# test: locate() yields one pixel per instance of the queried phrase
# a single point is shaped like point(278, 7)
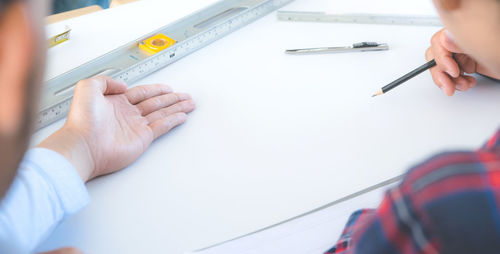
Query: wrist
point(74, 148)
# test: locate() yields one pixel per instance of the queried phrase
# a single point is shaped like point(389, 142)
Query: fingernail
point(449, 36)
point(449, 92)
point(450, 72)
point(460, 87)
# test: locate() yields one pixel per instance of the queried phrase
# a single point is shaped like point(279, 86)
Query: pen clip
point(370, 46)
point(365, 44)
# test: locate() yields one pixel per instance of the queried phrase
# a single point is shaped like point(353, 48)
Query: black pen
point(406, 77)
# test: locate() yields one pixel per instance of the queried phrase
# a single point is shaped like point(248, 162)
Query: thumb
point(108, 86)
point(448, 42)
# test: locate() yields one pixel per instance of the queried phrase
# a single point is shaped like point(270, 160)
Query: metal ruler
point(359, 18)
point(129, 63)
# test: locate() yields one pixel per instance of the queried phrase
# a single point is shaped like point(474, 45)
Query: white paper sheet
point(313, 233)
point(274, 135)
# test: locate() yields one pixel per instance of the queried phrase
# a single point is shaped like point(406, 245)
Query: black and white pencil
point(405, 78)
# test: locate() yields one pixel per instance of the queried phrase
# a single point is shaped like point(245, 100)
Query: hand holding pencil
point(453, 65)
point(448, 65)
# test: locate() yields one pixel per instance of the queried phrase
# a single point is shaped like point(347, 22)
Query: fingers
point(156, 103)
point(464, 83)
point(164, 125)
point(440, 78)
point(444, 82)
point(162, 108)
point(449, 85)
point(444, 58)
point(467, 64)
point(448, 42)
point(141, 93)
point(186, 106)
point(449, 72)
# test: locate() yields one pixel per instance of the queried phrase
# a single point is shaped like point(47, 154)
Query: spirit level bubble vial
point(156, 44)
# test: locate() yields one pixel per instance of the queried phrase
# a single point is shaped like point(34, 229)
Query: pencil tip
point(379, 92)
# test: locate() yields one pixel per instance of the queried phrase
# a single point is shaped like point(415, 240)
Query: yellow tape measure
point(156, 44)
point(58, 39)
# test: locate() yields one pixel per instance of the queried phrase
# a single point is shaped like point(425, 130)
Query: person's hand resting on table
point(109, 127)
point(453, 64)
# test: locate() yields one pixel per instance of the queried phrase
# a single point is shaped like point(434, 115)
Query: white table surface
point(274, 135)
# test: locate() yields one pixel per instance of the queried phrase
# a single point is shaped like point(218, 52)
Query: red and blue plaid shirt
point(448, 204)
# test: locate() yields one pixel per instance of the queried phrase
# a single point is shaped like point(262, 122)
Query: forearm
point(46, 190)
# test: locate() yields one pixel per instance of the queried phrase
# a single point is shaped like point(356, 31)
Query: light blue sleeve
point(46, 190)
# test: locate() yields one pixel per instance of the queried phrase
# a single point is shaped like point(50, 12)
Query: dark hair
point(4, 3)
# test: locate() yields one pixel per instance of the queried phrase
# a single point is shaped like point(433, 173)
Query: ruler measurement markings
point(141, 66)
point(359, 18)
